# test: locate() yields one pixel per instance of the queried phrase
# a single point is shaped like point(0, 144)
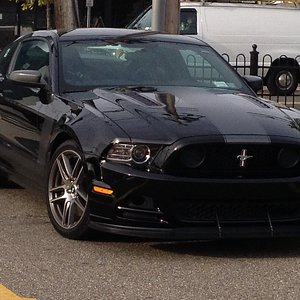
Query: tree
point(29, 4)
point(172, 16)
point(66, 12)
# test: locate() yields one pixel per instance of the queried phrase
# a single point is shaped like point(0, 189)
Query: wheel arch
point(92, 161)
point(58, 140)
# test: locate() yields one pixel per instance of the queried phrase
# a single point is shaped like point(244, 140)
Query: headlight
point(139, 154)
point(120, 152)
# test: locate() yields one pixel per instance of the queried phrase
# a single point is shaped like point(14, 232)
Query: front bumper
point(161, 206)
point(200, 232)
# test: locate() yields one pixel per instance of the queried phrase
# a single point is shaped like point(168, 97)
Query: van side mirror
point(255, 82)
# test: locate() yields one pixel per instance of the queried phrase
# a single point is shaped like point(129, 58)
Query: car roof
point(115, 34)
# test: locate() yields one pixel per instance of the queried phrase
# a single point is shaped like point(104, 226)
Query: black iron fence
point(280, 75)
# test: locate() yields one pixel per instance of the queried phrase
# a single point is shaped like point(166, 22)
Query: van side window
point(188, 21)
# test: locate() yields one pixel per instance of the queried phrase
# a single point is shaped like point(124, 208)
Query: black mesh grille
point(221, 161)
point(234, 212)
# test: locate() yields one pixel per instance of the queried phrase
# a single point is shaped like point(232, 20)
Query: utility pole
point(165, 17)
point(172, 16)
point(89, 5)
point(64, 14)
point(48, 15)
point(35, 12)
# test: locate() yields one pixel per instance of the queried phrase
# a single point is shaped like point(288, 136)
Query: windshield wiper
point(76, 91)
point(135, 88)
point(127, 37)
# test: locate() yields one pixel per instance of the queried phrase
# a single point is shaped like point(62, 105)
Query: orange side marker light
point(101, 190)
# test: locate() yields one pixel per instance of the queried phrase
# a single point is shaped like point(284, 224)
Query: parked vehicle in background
point(232, 29)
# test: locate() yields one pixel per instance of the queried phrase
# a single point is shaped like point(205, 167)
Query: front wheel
point(5, 183)
point(68, 186)
point(283, 81)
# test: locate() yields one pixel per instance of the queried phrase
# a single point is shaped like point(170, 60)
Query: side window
point(33, 55)
point(145, 21)
point(188, 21)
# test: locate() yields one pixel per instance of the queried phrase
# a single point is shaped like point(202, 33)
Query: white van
point(232, 29)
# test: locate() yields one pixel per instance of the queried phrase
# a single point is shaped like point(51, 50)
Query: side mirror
point(255, 82)
point(30, 78)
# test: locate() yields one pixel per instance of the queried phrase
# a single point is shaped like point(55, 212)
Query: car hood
point(180, 112)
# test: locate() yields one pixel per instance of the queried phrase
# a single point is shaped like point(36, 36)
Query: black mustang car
point(148, 135)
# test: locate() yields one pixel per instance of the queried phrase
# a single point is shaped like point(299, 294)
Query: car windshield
point(97, 64)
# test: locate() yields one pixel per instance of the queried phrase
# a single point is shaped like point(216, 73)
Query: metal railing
point(270, 69)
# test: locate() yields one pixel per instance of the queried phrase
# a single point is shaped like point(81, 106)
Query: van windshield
point(188, 21)
point(92, 64)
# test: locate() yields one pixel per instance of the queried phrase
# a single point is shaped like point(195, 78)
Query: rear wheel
point(68, 186)
point(283, 81)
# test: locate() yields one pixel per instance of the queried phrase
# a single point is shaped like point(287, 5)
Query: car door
point(5, 58)
point(19, 118)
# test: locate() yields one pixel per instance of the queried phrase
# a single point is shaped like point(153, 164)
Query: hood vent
point(141, 99)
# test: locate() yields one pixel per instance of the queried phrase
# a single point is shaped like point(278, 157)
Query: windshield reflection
point(87, 65)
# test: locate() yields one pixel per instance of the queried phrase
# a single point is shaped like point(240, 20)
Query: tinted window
point(94, 64)
point(144, 22)
point(208, 70)
point(33, 55)
point(188, 21)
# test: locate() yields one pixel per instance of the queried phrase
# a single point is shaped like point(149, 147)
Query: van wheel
point(282, 81)
point(68, 186)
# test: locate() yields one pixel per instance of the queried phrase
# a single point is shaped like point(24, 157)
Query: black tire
point(67, 191)
point(283, 81)
point(3, 181)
